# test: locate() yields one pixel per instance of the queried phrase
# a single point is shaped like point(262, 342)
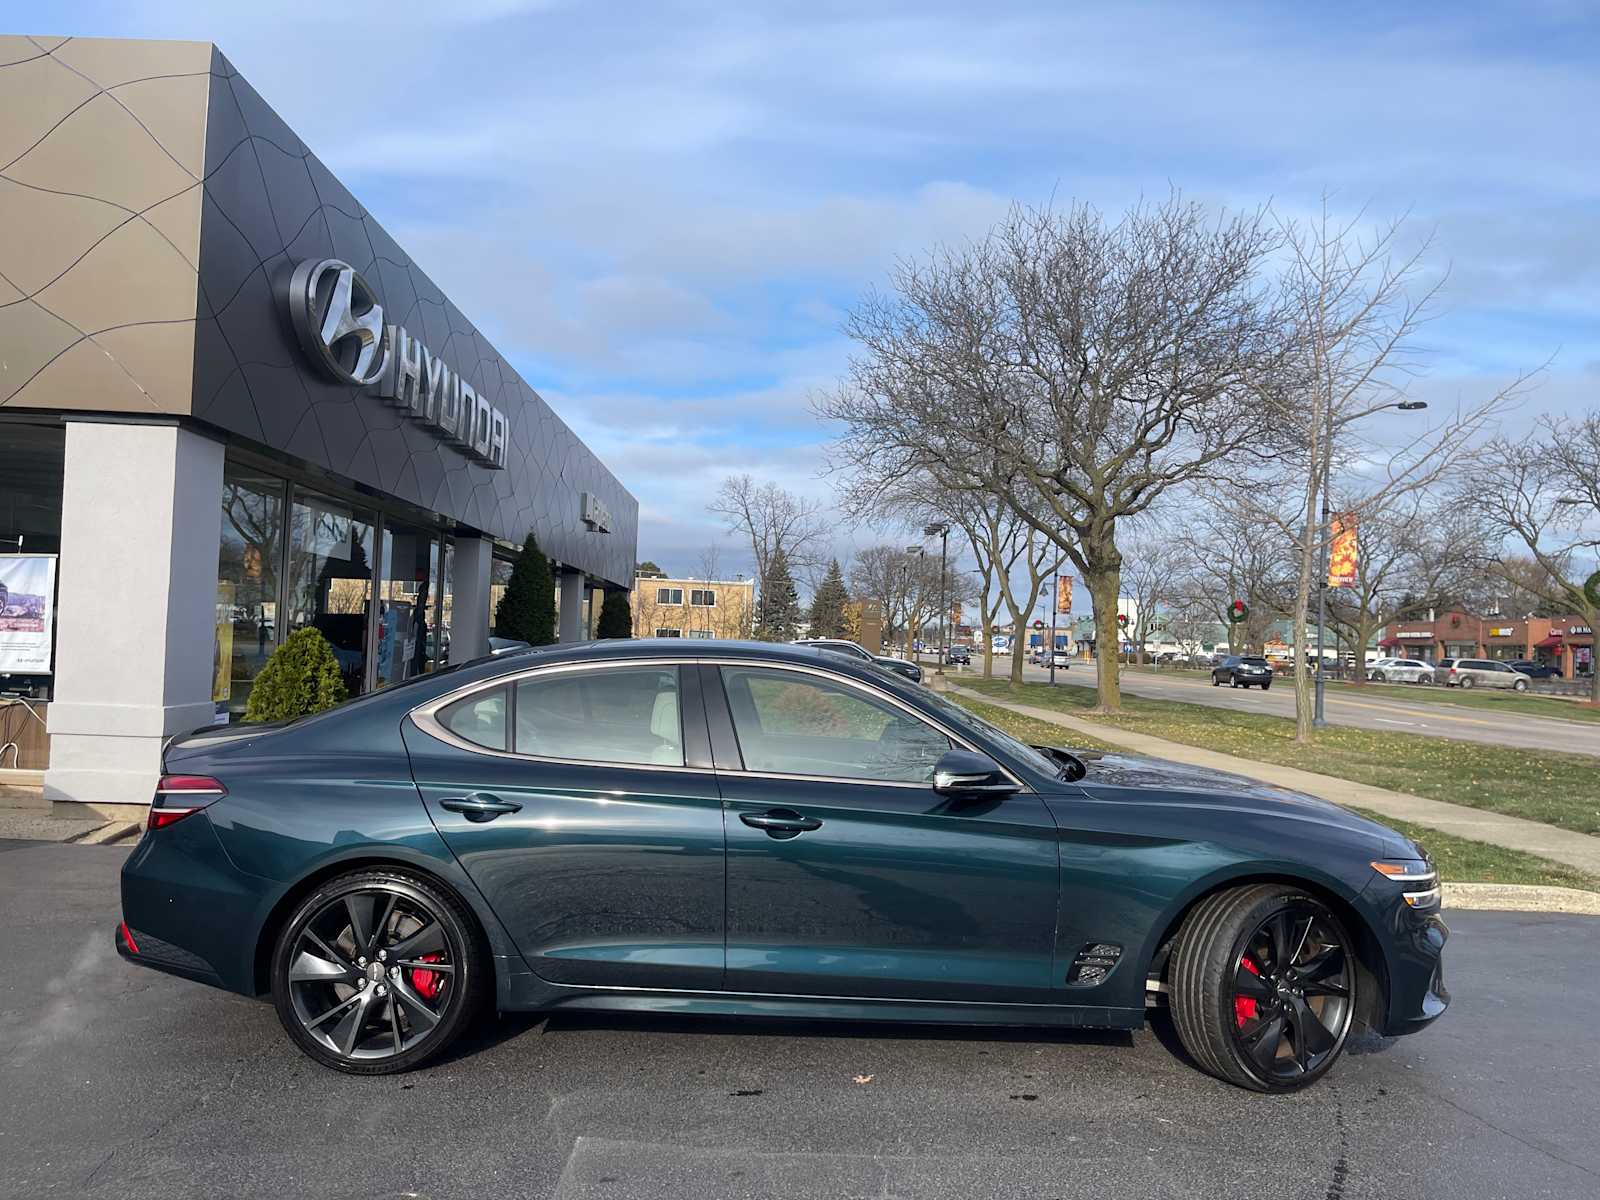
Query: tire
point(1208, 965)
point(1520, 685)
point(433, 1001)
point(1379, 677)
point(1465, 682)
point(1266, 686)
point(1215, 682)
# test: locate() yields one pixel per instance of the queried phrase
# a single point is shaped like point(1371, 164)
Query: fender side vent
point(1093, 963)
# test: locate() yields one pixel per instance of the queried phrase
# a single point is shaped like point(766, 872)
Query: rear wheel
point(1263, 987)
point(1466, 681)
point(377, 971)
point(1215, 682)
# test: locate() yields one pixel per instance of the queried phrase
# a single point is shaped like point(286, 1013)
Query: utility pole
point(942, 528)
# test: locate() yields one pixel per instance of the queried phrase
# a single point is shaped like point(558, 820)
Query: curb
point(107, 834)
point(1520, 897)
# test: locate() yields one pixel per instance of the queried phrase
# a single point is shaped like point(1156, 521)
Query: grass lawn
point(1527, 704)
point(1460, 860)
point(1558, 789)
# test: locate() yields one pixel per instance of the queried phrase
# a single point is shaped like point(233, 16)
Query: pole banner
point(1344, 551)
point(1064, 594)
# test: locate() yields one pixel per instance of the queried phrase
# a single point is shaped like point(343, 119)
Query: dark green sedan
point(733, 828)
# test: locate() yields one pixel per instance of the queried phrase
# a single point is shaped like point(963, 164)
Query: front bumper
point(1417, 994)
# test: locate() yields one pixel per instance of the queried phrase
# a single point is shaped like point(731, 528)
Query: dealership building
point(232, 407)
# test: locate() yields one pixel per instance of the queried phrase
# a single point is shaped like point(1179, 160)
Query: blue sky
point(661, 211)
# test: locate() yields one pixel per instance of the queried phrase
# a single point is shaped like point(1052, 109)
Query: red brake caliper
point(428, 984)
point(1244, 1007)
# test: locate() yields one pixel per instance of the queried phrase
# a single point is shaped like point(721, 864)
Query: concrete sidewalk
point(1574, 849)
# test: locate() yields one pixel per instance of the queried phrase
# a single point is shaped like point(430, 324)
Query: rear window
point(1447, 662)
point(479, 719)
point(1254, 662)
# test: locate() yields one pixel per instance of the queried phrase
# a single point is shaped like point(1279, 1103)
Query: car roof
point(612, 649)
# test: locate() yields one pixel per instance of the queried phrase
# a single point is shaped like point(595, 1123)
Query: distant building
point(692, 608)
point(1565, 643)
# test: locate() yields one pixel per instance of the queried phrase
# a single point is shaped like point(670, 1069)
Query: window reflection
point(247, 584)
point(330, 579)
point(405, 603)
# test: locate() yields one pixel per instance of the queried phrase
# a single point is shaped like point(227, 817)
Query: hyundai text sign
point(595, 514)
point(340, 325)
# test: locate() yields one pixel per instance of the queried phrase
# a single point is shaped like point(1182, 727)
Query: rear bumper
point(150, 951)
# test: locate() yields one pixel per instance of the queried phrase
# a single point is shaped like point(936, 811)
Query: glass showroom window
point(499, 581)
point(330, 579)
point(248, 562)
point(439, 643)
point(405, 603)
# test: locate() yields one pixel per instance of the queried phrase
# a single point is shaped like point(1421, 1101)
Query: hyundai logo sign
point(339, 323)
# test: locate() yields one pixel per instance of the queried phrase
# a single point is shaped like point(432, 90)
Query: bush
point(301, 677)
point(527, 611)
point(616, 618)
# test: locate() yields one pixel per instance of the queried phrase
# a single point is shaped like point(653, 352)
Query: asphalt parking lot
point(122, 1082)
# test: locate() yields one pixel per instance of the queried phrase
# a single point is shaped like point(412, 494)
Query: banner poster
point(27, 612)
point(1064, 594)
point(1344, 552)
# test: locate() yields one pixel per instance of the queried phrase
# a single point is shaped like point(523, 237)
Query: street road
point(1389, 712)
point(121, 1082)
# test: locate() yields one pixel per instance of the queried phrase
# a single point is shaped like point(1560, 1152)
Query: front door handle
point(480, 806)
point(781, 822)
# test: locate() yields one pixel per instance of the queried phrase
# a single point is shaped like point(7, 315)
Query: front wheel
point(1266, 686)
point(378, 971)
point(1520, 685)
point(1379, 677)
point(1263, 987)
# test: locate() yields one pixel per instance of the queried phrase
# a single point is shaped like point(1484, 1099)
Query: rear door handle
point(480, 806)
point(781, 822)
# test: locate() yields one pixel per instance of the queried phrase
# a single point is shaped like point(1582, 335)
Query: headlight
point(1419, 873)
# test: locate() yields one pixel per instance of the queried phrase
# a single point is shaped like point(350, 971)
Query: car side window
point(479, 719)
point(604, 714)
point(790, 723)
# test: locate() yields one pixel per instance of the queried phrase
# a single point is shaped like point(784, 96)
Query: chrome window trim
point(425, 718)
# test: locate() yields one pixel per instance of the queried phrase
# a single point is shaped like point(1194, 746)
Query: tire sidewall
point(464, 948)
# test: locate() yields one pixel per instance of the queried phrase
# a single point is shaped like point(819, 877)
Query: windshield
point(965, 719)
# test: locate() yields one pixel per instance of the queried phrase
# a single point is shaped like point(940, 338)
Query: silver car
point(1400, 670)
point(1478, 672)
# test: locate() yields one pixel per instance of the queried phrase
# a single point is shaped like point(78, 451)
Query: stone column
point(571, 584)
point(141, 520)
point(469, 600)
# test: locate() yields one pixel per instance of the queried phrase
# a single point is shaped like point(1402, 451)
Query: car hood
point(1111, 770)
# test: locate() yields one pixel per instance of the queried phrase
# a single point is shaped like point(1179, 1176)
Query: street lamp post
point(1318, 719)
point(942, 528)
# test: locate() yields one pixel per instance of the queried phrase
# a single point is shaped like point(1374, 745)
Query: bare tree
point(1075, 368)
point(775, 521)
point(1359, 300)
point(1234, 552)
point(1543, 493)
point(1152, 566)
point(1415, 550)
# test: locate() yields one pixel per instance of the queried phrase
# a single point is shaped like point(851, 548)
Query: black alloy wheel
point(377, 971)
point(1264, 987)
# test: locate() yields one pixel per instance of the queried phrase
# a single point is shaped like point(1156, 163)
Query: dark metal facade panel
point(269, 204)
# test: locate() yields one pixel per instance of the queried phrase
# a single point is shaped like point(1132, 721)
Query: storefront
point(231, 407)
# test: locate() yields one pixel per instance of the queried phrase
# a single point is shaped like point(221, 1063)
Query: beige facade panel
point(103, 148)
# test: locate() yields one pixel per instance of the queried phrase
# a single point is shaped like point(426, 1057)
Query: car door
point(581, 801)
point(847, 874)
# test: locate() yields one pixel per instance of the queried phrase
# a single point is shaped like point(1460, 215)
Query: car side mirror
point(966, 774)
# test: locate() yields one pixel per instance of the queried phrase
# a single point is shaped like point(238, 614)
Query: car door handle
point(780, 822)
point(480, 806)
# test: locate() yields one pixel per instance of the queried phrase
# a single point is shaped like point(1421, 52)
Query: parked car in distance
point(1534, 670)
point(959, 655)
point(737, 828)
point(1242, 670)
point(1400, 670)
point(1060, 660)
point(1478, 672)
point(856, 650)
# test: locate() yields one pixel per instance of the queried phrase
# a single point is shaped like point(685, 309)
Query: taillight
point(179, 795)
